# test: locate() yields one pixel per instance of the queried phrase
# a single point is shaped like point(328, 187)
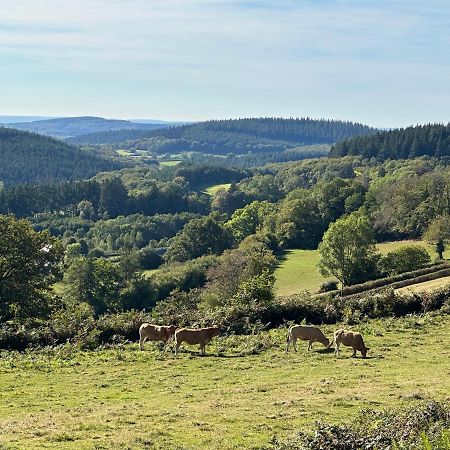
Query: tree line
point(411, 142)
point(238, 136)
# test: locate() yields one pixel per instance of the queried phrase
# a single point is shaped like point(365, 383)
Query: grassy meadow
point(298, 270)
point(426, 286)
point(231, 399)
point(170, 163)
point(212, 190)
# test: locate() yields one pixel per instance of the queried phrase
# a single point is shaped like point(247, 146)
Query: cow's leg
point(354, 353)
point(288, 341)
point(336, 349)
point(294, 342)
point(310, 344)
point(177, 346)
point(202, 349)
point(141, 342)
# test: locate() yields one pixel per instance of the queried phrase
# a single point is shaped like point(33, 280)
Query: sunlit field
point(230, 399)
point(298, 270)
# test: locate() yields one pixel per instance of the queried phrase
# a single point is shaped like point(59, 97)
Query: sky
point(384, 62)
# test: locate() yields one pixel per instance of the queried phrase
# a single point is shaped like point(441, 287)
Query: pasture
point(245, 391)
point(298, 269)
point(426, 286)
point(212, 190)
point(170, 163)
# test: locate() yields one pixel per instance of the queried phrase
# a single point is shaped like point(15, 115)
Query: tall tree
point(29, 262)
point(204, 236)
point(438, 234)
point(347, 250)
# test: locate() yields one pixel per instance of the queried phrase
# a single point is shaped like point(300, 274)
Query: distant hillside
point(423, 140)
point(75, 126)
point(31, 158)
point(236, 136)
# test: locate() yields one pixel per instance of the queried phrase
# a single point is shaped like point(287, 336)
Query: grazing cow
point(350, 339)
point(193, 336)
point(305, 333)
point(150, 332)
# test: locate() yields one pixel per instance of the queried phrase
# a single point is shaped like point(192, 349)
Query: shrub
point(150, 258)
point(189, 275)
point(416, 428)
point(405, 259)
point(327, 286)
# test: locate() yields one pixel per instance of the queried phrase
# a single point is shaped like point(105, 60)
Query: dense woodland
point(32, 158)
point(233, 136)
point(412, 142)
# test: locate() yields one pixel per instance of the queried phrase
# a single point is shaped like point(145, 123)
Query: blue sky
point(386, 63)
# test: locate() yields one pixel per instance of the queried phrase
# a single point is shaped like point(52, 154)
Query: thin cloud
point(296, 49)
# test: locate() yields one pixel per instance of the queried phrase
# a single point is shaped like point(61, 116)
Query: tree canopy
point(29, 262)
point(347, 250)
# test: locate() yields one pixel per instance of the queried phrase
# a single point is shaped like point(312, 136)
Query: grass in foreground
point(124, 398)
point(298, 271)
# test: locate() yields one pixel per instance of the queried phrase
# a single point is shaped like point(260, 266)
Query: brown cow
point(150, 332)
point(350, 339)
point(306, 333)
point(193, 336)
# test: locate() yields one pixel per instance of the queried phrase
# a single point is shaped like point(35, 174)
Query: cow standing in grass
point(191, 336)
point(150, 332)
point(350, 339)
point(305, 333)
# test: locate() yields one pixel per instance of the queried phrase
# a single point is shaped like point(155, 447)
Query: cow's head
point(214, 331)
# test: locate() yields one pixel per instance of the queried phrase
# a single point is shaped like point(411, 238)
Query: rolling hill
point(30, 158)
point(74, 126)
point(232, 136)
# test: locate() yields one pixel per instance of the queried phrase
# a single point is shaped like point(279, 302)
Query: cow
point(350, 339)
point(150, 332)
point(305, 333)
point(193, 336)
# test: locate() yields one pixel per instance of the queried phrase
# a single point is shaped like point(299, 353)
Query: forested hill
point(73, 126)
point(31, 158)
point(238, 136)
point(423, 140)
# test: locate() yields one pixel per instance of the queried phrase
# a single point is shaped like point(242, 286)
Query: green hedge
point(438, 268)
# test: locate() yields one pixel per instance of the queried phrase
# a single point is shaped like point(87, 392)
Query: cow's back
point(194, 336)
point(302, 332)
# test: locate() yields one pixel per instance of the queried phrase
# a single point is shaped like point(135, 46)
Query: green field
point(212, 190)
point(123, 398)
point(426, 286)
point(124, 153)
point(170, 163)
point(298, 270)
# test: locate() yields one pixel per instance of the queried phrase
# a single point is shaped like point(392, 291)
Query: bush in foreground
point(424, 427)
